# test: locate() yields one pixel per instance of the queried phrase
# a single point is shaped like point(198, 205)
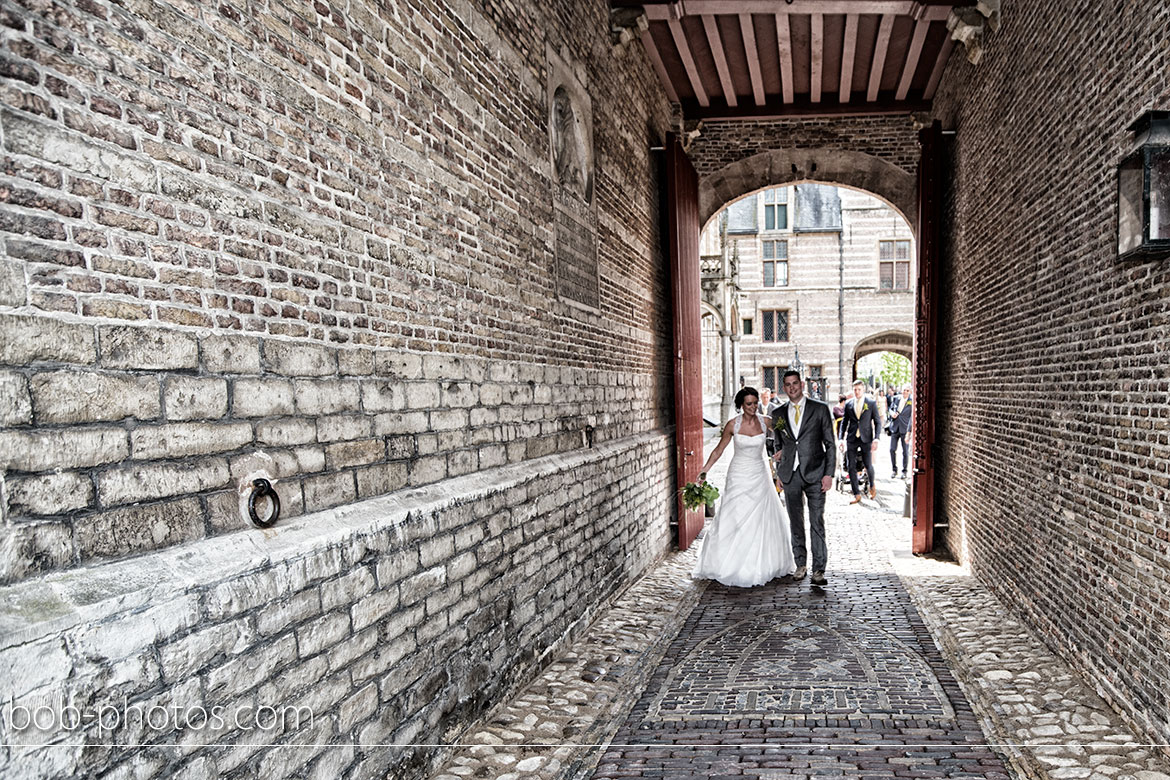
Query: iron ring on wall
point(262, 488)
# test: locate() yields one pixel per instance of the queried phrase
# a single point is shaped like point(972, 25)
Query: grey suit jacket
point(816, 445)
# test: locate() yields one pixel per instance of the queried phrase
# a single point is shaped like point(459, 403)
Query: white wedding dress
point(749, 542)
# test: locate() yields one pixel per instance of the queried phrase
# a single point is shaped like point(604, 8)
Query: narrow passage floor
point(789, 680)
point(900, 667)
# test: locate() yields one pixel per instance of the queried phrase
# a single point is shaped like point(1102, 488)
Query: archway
point(811, 290)
point(896, 341)
point(776, 167)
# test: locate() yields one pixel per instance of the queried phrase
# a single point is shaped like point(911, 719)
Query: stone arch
point(897, 341)
point(855, 170)
point(707, 310)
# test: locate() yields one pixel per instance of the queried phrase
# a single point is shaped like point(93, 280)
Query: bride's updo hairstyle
point(744, 393)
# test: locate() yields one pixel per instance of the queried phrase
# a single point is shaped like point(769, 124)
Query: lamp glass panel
point(1160, 193)
point(1129, 203)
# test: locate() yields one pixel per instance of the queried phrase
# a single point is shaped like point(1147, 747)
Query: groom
point(807, 456)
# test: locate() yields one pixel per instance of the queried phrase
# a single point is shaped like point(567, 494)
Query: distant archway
point(775, 168)
point(896, 341)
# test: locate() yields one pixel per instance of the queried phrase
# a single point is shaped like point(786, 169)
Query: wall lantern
point(1143, 191)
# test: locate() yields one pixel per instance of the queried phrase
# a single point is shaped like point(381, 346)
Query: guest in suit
point(806, 459)
point(901, 418)
point(861, 428)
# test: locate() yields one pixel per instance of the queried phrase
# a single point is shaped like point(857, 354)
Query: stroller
point(843, 477)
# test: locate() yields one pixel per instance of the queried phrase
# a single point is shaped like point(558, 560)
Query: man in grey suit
point(807, 456)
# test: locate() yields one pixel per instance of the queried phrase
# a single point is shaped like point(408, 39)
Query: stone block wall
point(122, 439)
point(316, 243)
point(391, 622)
point(1054, 456)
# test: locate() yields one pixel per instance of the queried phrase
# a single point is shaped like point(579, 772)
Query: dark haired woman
point(749, 542)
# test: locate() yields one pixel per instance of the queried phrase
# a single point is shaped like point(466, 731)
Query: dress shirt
point(792, 407)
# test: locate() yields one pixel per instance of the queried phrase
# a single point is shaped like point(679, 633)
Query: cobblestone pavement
point(901, 667)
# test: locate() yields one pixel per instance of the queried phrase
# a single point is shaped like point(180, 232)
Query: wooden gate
point(682, 225)
point(931, 170)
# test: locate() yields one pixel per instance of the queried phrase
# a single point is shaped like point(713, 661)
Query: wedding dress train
point(749, 542)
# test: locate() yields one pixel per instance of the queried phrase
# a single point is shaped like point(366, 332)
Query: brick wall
point(316, 243)
point(325, 238)
point(877, 154)
point(1054, 465)
point(888, 137)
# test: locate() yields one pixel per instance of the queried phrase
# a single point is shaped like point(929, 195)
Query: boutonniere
point(781, 425)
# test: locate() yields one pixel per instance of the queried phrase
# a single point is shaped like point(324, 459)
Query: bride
point(749, 542)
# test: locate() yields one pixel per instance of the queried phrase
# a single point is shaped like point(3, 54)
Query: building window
point(775, 325)
point(747, 326)
point(775, 263)
point(893, 265)
point(776, 209)
point(773, 376)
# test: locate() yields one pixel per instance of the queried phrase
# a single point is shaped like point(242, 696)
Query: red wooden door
point(682, 225)
point(930, 206)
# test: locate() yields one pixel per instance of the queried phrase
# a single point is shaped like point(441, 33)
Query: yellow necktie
point(798, 415)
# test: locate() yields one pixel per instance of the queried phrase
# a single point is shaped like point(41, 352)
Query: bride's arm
point(719, 448)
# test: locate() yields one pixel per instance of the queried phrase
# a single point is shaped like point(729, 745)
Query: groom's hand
point(826, 484)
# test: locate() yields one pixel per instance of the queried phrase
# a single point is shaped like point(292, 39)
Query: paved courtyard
point(900, 667)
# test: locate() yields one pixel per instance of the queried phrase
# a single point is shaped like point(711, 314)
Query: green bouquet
point(699, 494)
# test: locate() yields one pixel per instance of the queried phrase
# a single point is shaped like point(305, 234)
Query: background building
point(814, 272)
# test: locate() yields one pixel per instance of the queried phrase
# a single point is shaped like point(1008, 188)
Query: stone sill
point(58, 601)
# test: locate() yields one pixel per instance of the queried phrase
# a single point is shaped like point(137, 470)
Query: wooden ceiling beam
point(662, 10)
point(784, 43)
point(879, 57)
point(817, 57)
point(688, 61)
point(655, 58)
point(848, 52)
point(940, 65)
point(920, 29)
point(716, 41)
point(752, 51)
point(803, 108)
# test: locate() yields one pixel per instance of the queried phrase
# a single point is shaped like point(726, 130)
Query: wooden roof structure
point(742, 59)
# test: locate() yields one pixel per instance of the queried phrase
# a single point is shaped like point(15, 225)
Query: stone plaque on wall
point(570, 124)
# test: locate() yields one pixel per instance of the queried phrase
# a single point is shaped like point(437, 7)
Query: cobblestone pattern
point(396, 621)
point(553, 729)
point(922, 727)
point(128, 439)
point(1032, 708)
point(1060, 505)
point(1035, 710)
point(1048, 721)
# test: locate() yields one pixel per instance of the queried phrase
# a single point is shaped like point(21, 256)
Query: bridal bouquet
point(696, 495)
